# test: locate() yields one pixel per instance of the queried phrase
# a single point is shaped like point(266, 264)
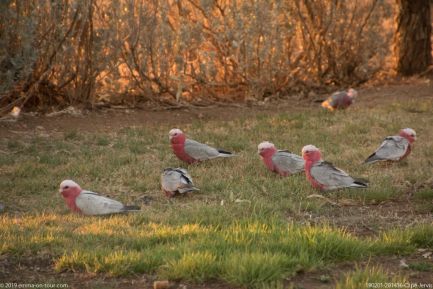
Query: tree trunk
point(412, 40)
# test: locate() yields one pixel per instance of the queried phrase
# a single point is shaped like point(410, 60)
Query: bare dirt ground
point(40, 270)
point(368, 220)
point(326, 279)
point(113, 119)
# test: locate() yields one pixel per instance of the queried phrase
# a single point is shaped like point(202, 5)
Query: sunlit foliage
point(64, 52)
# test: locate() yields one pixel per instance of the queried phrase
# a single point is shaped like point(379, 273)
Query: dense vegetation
point(87, 51)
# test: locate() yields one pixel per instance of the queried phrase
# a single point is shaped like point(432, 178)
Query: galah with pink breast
point(394, 148)
point(325, 176)
point(90, 203)
point(281, 162)
point(340, 100)
point(191, 151)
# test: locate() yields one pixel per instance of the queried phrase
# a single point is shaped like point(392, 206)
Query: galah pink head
point(352, 93)
point(311, 154)
point(69, 189)
point(176, 136)
point(266, 149)
point(408, 134)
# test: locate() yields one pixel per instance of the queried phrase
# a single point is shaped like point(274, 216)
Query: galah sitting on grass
point(281, 162)
point(176, 181)
point(394, 148)
point(340, 100)
point(323, 175)
point(90, 203)
point(190, 151)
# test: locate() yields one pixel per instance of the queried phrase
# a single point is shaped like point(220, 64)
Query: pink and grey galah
point(176, 181)
point(340, 100)
point(325, 176)
point(281, 162)
point(191, 151)
point(90, 203)
point(394, 148)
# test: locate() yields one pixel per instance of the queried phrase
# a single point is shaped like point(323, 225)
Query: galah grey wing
point(185, 178)
point(331, 177)
point(335, 99)
point(178, 179)
point(200, 151)
point(392, 148)
point(91, 203)
point(171, 180)
point(288, 162)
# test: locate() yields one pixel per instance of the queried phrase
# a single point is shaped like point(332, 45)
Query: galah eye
point(66, 187)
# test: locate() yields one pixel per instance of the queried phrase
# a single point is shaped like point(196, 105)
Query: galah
point(176, 181)
point(15, 112)
point(394, 148)
point(190, 151)
point(12, 116)
point(340, 100)
point(281, 162)
point(90, 203)
point(324, 175)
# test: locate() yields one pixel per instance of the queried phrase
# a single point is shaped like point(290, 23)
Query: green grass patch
point(246, 253)
point(254, 269)
point(246, 226)
point(421, 266)
point(422, 236)
point(370, 277)
point(193, 266)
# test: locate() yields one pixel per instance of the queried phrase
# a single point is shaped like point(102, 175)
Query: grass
point(371, 277)
point(246, 226)
point(421, 266)
point(243, 253)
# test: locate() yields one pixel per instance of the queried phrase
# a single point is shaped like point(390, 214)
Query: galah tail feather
point(340, 100)
point(90, 203)
point(325, 176)
point(176, 181)
point(281, 162)
point(394, 148)
point(191, 151)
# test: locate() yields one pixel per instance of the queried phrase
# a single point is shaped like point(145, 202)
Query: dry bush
point(85, 51)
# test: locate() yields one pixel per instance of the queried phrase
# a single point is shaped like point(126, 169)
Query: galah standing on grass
point(90, 203)
point(176, 181)
point(340, 100)
point(323, 175)
point(281, 162)
point(394, 148)
point(190, 151)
